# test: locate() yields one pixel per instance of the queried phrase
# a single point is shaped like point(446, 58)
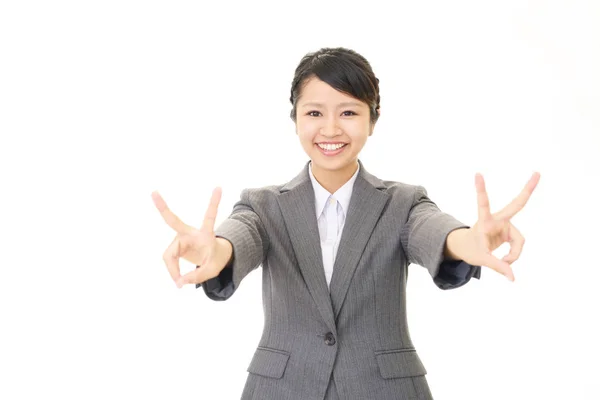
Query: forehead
point(317, 92)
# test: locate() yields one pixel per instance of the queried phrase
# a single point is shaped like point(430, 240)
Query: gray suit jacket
point(354, 336)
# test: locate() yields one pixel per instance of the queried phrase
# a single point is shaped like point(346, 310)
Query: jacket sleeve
point(244, 229)
point(423, 238)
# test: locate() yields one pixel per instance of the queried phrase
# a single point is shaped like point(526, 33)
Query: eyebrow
point(345, 104)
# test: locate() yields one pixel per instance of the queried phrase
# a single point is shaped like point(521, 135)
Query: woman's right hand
point(198, 246)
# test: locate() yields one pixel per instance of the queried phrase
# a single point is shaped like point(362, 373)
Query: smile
point(331, 149)
point(331, 146)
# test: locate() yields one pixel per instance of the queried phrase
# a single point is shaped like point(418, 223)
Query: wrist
point(224, 250)
point(454, 246)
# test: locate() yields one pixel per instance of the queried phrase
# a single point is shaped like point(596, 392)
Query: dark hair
point(343, 69)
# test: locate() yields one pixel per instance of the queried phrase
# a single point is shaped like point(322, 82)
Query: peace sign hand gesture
point(475, 245)
point(198, 246)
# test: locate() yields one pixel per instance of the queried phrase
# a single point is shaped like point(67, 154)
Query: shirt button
point(329, 339)
point(332, 201)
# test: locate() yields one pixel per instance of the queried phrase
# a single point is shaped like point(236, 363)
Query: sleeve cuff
point(453, 274)
point(219, 287)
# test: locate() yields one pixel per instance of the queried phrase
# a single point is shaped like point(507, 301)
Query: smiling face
point(332, 127)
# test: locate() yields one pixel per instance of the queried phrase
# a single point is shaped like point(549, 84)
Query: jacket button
point(329, 339)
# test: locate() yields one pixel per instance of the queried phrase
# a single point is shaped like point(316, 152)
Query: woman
point(335, 243)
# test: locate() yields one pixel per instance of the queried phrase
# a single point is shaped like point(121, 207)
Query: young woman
point(335, 243)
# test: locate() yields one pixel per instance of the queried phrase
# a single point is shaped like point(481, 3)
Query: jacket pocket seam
point(399, 363)
point(283, 352)
point(404, 350)
point(268, 362)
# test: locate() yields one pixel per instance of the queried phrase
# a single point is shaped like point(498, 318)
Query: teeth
point(330, 146)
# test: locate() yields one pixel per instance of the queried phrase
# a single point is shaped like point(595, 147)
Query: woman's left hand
point(492, 230)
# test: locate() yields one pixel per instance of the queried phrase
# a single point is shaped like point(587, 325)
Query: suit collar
point(342, 195)
point(302, 178)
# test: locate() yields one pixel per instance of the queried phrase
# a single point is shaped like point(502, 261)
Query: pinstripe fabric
point(331, 393)
point(388, 226)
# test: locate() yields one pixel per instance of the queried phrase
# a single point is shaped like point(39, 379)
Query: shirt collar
point(342, 195)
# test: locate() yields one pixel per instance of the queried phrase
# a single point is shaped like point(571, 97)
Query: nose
point(330, 128)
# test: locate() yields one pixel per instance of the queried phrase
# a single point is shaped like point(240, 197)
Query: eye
point(348, 113)
point(311, 113)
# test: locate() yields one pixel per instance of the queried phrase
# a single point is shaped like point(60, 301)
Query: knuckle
point(169, 254)
point(184, 243)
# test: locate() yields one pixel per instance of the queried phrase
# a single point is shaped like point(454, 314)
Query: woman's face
point(332, 126)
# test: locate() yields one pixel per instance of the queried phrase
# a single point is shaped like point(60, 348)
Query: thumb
point(192, 277)
point(186, 279)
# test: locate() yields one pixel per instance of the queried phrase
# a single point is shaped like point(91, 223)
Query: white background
point(103, 102)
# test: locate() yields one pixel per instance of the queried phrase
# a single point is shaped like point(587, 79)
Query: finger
point(211, 213)
point(171, 258)
point(483, 202)
point(517, 241)
point(171, 219)
point(519, 202)
point(198, 275)
point(502, 267)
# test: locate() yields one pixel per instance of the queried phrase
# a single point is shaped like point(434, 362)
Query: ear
point(373, 124)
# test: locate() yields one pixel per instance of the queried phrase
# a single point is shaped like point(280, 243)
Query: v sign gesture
point(475, 245)
point(199, 246)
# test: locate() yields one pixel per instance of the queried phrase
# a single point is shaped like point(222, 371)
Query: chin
point(331, 165)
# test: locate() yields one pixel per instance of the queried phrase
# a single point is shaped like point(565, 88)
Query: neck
point(332, 180)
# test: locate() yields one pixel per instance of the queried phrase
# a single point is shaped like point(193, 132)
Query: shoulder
point(395, 189)
point(402, 191)
point(261, 194)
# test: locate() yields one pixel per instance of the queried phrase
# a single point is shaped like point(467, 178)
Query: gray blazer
point(350, 342)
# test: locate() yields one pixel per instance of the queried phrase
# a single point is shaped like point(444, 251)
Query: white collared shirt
point(331, 210)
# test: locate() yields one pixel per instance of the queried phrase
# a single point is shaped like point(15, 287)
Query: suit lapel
point(365, 208)
point(297, 204)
